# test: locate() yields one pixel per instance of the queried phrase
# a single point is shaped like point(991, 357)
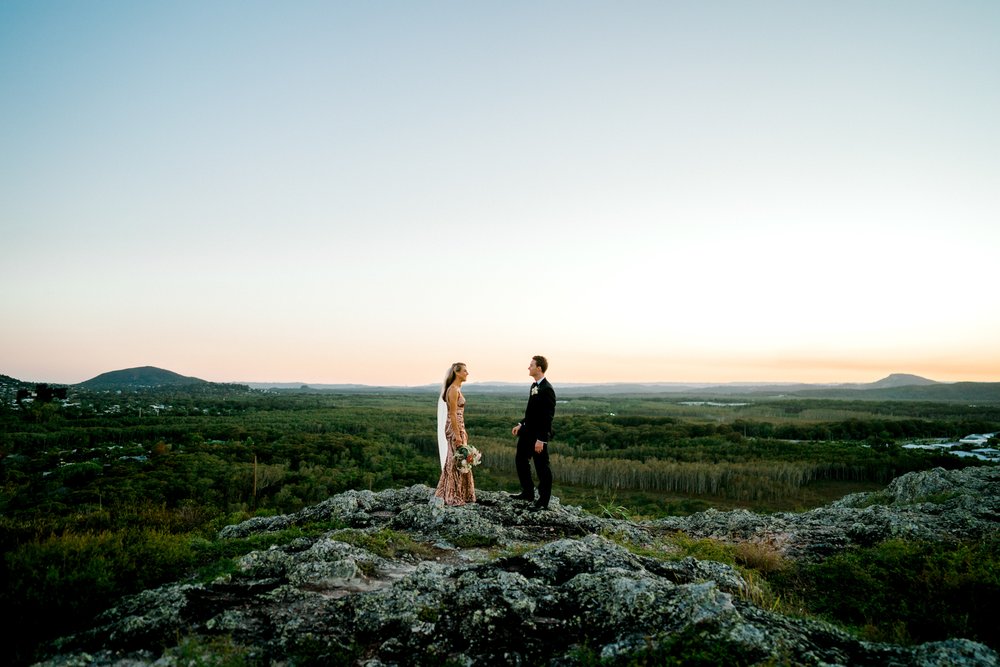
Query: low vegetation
point(905, 592)
point(898, 591)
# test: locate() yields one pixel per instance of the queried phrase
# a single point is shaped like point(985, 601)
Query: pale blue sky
point(368, 191)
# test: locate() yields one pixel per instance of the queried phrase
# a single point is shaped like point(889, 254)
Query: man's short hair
point(541, 362)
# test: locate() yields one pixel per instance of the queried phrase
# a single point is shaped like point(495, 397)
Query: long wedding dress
point(456, 488)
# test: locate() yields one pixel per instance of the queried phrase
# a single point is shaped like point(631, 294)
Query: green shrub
point(906, 592)
point(472, 540)
point(62, 581)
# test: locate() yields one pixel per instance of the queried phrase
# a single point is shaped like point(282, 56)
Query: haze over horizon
point(364, 193)
point(141, 374)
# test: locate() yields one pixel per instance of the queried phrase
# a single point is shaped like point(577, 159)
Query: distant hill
point(966, 392)
point(11, 385)
point(136, 378)
point(900, 380)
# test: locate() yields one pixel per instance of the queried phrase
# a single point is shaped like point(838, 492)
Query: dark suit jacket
point(538, 415)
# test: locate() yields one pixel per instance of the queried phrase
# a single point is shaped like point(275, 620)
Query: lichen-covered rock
point(929, 505)
point(566, 595)
point(494, 520)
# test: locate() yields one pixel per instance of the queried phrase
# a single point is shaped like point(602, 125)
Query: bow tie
point(534, 384)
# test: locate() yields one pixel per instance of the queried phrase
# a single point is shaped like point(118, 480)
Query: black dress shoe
point(538, 508)
point(520, 496)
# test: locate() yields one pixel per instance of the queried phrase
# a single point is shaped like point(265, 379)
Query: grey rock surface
point(931, 505)
point(551, 589)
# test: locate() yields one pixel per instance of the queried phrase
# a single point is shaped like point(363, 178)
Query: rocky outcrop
point(930, 505)
point(500, 585)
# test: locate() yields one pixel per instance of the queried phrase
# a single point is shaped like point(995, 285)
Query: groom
point(533, 433)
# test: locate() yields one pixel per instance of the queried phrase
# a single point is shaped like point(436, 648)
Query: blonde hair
point(449, 379)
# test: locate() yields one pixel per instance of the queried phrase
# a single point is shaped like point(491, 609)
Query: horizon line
point(742, 383)
point(515, 383)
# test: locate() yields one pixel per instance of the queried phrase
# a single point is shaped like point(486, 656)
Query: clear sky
point(362, 191)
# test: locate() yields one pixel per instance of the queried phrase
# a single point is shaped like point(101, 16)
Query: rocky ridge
point(556, 588)
point(931, 505)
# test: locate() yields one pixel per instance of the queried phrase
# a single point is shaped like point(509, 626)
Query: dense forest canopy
point(231, 449)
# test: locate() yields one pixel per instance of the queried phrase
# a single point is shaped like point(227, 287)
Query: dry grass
point(759, 556)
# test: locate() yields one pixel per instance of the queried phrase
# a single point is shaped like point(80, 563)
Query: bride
point(455, 487)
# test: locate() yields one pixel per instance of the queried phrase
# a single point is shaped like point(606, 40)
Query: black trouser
point(522, 461)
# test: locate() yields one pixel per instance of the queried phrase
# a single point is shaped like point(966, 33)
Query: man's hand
point(514, 431)
point(539, 446)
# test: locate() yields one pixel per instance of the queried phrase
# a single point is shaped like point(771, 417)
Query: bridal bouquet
point(467, 456)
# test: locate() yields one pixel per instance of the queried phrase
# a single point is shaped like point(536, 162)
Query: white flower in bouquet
point(466, 457)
